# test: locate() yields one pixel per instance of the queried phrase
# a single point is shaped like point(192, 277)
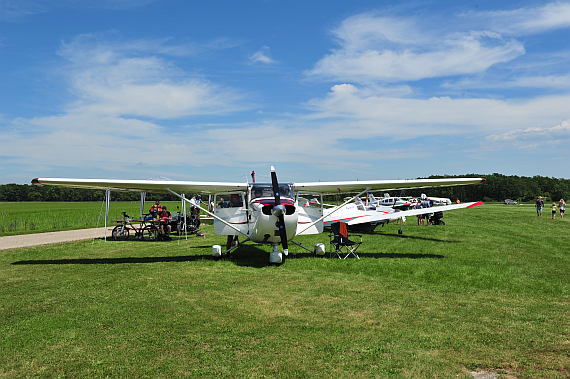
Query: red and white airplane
point(366, 217)
point(266, 213)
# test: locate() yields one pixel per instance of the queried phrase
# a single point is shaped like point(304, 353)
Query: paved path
point(26, 240)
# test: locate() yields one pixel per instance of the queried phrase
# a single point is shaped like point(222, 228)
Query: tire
point(120, 233)
point(150, 233)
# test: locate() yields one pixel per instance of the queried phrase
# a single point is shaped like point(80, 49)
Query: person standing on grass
point(553, 208)
point(539, 205)
point(562, 207)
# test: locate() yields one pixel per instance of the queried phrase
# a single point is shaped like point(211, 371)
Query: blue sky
point(322, 90)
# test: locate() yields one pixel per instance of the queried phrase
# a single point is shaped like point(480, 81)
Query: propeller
point(279, 212)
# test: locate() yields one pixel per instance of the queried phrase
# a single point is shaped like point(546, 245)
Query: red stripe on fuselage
point(265, 202)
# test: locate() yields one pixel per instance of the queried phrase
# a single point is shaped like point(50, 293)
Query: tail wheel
point(120, 233)
point(150, 233)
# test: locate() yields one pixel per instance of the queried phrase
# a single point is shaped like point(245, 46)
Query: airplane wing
point(412, 212)
point(145, 185)
point(213, 187)
point(358, 186)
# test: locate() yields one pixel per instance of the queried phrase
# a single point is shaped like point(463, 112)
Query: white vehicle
point(265, 213)
point(390, 201)
point(367, 218)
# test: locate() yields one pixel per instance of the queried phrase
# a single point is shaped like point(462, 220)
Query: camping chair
point(340, 244)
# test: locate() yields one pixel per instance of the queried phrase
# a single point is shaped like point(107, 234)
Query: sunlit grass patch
point(487, 291)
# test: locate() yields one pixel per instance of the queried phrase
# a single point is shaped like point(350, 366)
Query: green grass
point(490, 290)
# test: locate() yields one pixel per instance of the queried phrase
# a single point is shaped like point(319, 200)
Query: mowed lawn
point(489, 291)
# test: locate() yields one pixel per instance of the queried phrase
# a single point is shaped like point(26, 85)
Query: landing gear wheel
point(400, 231)
point(120, 233)
point(150, 233)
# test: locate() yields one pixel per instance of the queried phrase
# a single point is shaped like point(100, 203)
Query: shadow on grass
point(246, 256)
point(376, 256)
point(110, 261)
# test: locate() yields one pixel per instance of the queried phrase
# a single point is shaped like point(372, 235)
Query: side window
point(228, 200)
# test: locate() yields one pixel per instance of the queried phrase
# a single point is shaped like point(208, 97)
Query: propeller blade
point(279, 211)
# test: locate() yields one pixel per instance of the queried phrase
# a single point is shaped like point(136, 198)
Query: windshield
point(266, 190)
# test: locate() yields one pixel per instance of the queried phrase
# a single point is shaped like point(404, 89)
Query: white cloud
point(261, 56)
point(118, 87)
point(365, 114)
point(561, 82)
point(389, 49)
point(531, 138)
point(526, 20)
point(132, 79)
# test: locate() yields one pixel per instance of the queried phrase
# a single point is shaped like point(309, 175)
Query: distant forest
point(497, 188)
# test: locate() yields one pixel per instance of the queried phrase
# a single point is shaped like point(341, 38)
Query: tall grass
point(490, 291)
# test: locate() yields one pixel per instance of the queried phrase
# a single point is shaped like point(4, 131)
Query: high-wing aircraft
point(394, 202)
point(268, 213)
point(366, 217)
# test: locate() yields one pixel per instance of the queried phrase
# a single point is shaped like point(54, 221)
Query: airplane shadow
point(110, 261)
point(246, 256)
point(404, 236)
point(378, 255)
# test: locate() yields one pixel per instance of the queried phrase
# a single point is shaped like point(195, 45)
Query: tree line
point(498, 187)
point(29, 192)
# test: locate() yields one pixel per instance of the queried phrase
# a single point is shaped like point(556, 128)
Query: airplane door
point(232, 211)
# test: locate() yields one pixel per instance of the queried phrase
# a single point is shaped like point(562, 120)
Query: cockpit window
point(266, 190)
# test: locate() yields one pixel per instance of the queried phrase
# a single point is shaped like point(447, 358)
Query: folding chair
point(340, 244)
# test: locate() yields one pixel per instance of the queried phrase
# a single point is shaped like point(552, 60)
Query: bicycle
point(121, 231)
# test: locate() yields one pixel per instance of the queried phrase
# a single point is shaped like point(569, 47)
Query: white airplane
point(387, 200)
point(367, 217)
point(434, 200)
point(267, 213)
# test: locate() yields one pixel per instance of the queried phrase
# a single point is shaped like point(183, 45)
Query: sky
point(322, 90)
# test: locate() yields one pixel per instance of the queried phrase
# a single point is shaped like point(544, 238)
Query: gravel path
point(26, 240)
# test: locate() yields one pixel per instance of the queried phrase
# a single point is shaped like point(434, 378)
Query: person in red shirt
point(165, 227)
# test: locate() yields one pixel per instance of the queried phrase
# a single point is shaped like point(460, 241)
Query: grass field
point(32, 217)
point(489, 291)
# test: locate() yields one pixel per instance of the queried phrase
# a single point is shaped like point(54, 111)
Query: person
point(222, 203)
point(235, 201)
point(195, 203)
point(562, 207)
point(156, 209)
point(424, 204)
point(165, 227)
point(418, 205)
point(539, 205)
point(231, 240)
point(553, 208)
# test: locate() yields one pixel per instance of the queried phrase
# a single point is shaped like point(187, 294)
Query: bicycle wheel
point(120, 233)
point(150, 233)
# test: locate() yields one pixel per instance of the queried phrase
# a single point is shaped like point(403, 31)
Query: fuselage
point(254, 213)
point(263, 227)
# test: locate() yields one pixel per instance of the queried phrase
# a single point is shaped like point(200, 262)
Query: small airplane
point(267, 213)
point(387, 200)
point(366, 218)
point(432, 199)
